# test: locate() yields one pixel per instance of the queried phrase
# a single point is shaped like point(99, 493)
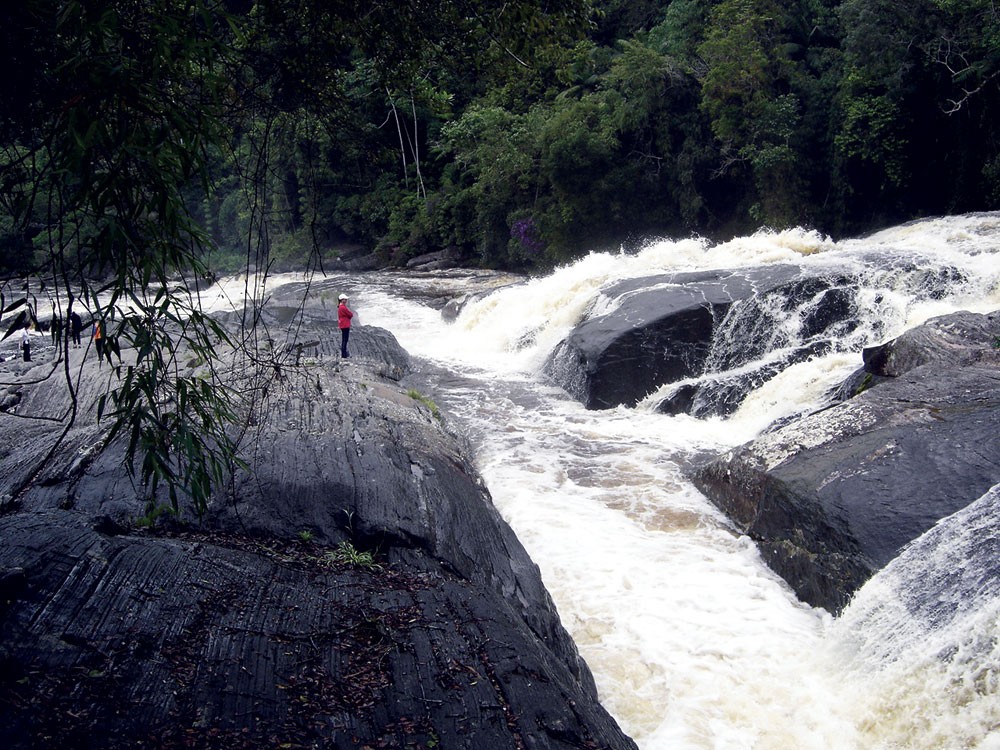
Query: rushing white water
point(928, 626)
point(693, 641)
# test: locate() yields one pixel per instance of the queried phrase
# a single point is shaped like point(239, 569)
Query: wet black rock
point(435, 261)
point(354, 587)
point(350, 258)
point(671, 328)
point(833, 497)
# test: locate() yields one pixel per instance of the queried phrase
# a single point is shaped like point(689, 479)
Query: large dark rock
point(351, 258)
point(665, 329)
point(438, 260)
point(833, 497)
point(264, 625)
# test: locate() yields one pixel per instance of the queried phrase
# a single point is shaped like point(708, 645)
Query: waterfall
point(693, 641)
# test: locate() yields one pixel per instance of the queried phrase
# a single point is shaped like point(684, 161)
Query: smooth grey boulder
point(833, 497)
point(351, 258)
point(265, 624)
point(435, 261)
point(668, 328)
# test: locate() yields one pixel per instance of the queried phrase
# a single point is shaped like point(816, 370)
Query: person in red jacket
point(344, 316)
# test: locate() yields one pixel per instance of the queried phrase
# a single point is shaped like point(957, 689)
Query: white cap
point(343, 296)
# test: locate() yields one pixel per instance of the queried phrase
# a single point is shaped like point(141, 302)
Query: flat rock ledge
point(354, 588)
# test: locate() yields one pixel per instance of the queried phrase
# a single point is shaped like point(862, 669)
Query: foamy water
point(693, 641)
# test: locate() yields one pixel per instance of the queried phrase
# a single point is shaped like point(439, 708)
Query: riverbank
point(353, 587)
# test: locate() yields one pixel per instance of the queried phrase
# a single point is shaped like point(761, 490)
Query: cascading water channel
point(693, 641)
point(927, 628)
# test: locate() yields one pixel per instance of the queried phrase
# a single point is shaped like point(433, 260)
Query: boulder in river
point(832, 497)
point(668, 328)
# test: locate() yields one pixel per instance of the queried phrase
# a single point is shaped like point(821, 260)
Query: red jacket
point(344, 316)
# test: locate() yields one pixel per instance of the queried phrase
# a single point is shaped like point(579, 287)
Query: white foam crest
point(961, 248)
point(233, 292)
point(795, 390)
point(515, 328)
point(921, 312)
point(518, 326)
point(767, 247)
point(761, 248)
point(523, 323)
point(969, 234)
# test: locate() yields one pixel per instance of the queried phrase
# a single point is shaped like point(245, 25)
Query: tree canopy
point(409, 127)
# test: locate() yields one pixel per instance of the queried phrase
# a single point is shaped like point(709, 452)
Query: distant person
point(26, 343)
point(76, 328)
point(98, 332)
point(344, 316)
point(55, 328)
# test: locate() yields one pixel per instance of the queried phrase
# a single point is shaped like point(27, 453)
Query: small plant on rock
point(347, 554)
point(418, 396)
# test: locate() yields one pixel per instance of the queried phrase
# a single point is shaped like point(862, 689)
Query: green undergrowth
point(426, 401)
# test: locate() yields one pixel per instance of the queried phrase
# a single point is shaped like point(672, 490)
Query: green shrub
point(417, 396)
point(347, 554)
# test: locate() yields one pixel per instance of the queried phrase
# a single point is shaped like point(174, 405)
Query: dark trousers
point(345, 334)
point(26, 351)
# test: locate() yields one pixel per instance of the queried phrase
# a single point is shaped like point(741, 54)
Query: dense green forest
point(517, 136)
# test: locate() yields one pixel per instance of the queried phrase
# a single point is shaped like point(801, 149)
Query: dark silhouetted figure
point(76, 328)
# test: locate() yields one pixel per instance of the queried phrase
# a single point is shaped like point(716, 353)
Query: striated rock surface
point(354, 588)
point(833, 497)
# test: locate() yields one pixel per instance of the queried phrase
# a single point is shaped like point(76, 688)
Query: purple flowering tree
point(525, 233)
